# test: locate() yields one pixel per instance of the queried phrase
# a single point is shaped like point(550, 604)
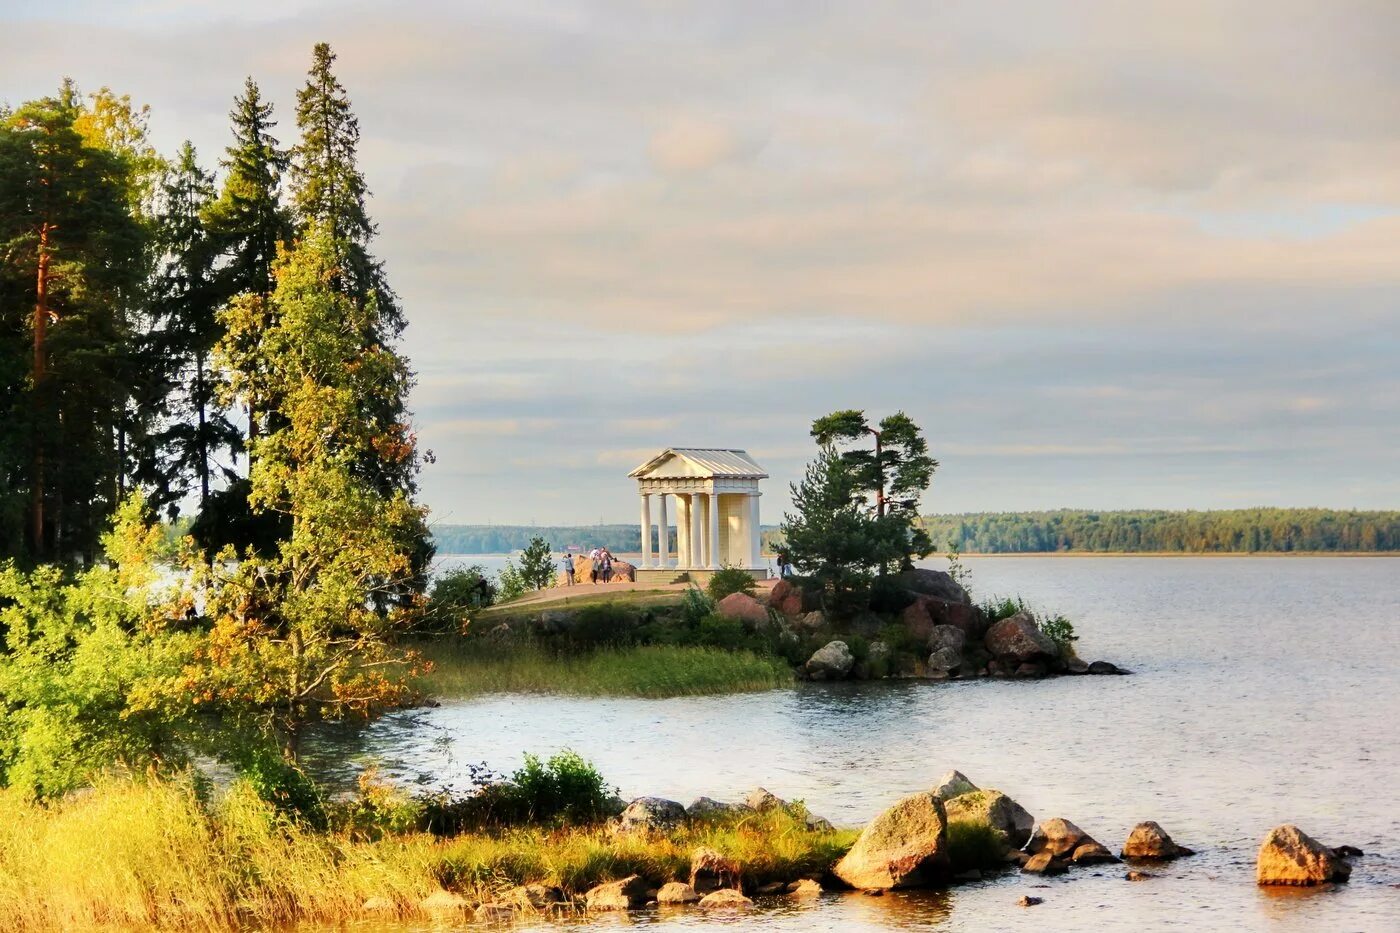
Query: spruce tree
point(186, 298)
point(328, 189)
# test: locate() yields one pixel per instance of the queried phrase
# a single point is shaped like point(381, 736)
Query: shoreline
point(1252, 554)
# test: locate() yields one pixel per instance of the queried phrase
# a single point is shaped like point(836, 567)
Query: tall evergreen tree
point(194, 429)
point(73, 254)
point(328, 189)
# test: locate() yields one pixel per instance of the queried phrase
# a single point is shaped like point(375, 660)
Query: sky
point(1107, 254)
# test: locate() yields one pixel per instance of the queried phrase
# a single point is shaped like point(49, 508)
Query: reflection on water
point(1265, 692)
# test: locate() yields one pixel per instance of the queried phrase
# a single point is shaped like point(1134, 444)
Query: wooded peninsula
point(1242, 531)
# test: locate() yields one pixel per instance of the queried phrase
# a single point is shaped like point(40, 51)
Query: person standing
point(567, 564)
point(594, 559)
point(607, 565)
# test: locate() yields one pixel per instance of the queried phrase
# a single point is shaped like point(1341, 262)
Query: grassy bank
point(468, 668)
point(150, 855)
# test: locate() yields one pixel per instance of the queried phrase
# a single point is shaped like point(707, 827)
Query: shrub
point(1061, 631)
point(456, 596)
point(728, 581)
point(995, 610)
point(284, 785)
point(378, 809)
point(565, 790)
point(695, 605)
point(511, 583)
point(599, 625)
point(974, 844)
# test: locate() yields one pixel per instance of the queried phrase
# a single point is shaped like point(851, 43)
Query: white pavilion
point(716, 512)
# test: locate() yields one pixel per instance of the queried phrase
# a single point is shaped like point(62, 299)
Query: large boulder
point(711, 871)
point(953, 784)
point(904, 847)
point(788, 598)
point(1150, 841)
point(725, 899)
point(832, 661)
point(1059, 837)
point(1017, 638)
point(944, 661)
point(761, 799)
point(946, 636)
point(624, 894)
point(916, 618)
point(810, 622)
point(707, 807)
point(933, 583)
point(583, 566)
point(676, 892)
point(1290, 856)
point(997, 810)
point(743, 607)
point(648, 813)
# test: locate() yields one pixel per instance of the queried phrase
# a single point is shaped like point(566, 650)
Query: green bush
point(456, 596)
point(975, 844)
point(695, 605)
point(728, 581)
point(284, 785)
point(599, 625)
point(566, 790)
point(1061, 631)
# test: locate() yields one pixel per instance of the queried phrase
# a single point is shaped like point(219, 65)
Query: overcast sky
point(1108, 254)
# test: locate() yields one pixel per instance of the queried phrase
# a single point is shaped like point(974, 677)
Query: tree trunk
point(40, 371)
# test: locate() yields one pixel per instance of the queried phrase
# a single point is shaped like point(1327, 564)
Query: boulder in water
point(997, 810)
point(1057, 836)
point(953, 784)
point(725, 899)
point(833, 661)
point(624, 894)
point(1290, 856)
point(676, 892)
point(711, 871)
point(1018, 639)
point(1149, 840)
point(904, 847)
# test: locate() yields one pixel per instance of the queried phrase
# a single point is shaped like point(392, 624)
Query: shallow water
point(1265, 692)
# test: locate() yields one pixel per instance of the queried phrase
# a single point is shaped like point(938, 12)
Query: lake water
point(1265, 692)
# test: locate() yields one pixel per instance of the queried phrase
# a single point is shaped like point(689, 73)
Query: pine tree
point(328, 189)
point(73, 253)
point(830, 537)
point(186, 299)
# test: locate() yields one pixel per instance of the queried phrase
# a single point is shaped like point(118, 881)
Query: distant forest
point(1232, 531)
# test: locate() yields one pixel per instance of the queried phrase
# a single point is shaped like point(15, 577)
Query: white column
point(682, 530)
point(697, 530)
point(712, 552)
point(755, 533)
point(663, 534)
point(646, 529)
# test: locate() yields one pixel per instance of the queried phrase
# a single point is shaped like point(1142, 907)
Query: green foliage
point(975, 844)
point(456, 596)
point(1061, 631)
point(994, 610)
point(727, 581)
point(565, 790)
point(830, 537)
point(1232, 531)
point(510, 582)
point(696, 604)
point(537, 564)
point(275, 779)
point(960, 572)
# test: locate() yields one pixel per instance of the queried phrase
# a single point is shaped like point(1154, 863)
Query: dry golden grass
point(140, 855)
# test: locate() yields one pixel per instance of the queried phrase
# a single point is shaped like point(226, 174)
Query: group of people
point(600, 571)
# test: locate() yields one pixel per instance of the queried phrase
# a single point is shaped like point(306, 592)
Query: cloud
point(690, 144)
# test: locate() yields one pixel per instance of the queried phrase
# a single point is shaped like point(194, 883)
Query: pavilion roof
point(701, 462)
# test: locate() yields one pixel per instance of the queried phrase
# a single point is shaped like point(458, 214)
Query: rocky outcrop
point(933, 583)
point(1018, 639)
point(946, 636)
point(916, 618)
point(1043, 863)
point(711, 871)
point(833, 661)
point(1150, 841)
point(725, 899)
point(996, 809)
point(624, 894)
point(621, 571)
point(676, 892)
point(1104, 667)
point(649, 813)
point(1092, 853)
point(1290, 856)
point(743, 607)
point(945, 660)
point(809, 622)
point(806, 887)
point(904, 847)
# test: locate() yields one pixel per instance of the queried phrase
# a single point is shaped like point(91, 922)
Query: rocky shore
point(921, 841)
